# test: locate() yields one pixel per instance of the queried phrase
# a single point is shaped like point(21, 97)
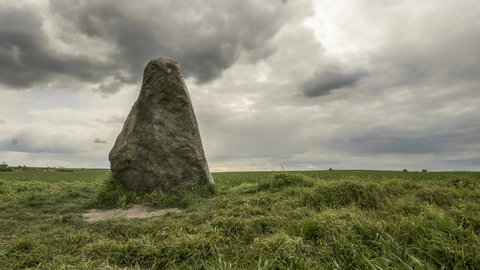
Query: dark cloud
point(205, 37)
point(26, 142)
point(451, 138)
point(468, 162)
point(27, 59)
point(109, 88)
point(115, 119)
point(329, 79)
point(383, 144)
point(3, 120)
point(111, 41)
point(97, 140)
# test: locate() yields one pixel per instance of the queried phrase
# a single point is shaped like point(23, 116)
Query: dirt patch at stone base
point(136, 211)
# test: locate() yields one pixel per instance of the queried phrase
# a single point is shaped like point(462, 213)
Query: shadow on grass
point(114, 194)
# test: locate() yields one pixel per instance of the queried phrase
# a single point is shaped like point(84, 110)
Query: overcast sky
point(360, 84)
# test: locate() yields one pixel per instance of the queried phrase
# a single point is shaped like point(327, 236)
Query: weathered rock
point(160, 143)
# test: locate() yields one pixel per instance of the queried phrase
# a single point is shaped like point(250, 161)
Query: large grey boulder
point(160, 145)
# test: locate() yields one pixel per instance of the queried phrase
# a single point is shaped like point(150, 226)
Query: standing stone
point(160, 145)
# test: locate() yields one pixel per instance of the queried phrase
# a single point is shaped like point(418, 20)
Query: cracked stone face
point(160, 144)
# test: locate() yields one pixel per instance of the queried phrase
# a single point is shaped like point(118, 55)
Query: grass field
point(246, 220)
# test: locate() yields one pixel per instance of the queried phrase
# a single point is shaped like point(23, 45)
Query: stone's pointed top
point(163, 60)
point(165, 64)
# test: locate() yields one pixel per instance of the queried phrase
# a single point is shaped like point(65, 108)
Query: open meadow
point(246, 220)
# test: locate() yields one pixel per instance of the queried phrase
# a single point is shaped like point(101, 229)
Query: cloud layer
point(306, 84)
point(325, 81)
point(108, 43)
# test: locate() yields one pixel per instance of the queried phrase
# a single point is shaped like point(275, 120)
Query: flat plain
point(246, 220)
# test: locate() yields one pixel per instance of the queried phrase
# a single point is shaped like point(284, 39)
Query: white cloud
point(64, 135)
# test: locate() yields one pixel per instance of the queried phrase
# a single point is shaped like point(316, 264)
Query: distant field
point(83, 175)
point(246, 220)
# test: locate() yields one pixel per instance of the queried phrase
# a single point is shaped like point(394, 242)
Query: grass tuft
point(115, 194)
point(439, 197)
point(345, 193)
point(282, 180)
point(463, 183)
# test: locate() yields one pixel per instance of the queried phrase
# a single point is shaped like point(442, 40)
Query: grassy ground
point(302, 220)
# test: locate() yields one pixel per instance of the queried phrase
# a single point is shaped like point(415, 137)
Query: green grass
point(246, 220)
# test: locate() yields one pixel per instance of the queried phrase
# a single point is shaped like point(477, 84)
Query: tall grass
point(255, 220)
point(114, 194)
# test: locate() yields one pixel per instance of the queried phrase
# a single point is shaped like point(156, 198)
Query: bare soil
point(136, 211)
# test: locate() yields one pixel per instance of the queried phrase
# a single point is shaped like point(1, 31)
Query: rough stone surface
point(160, 143)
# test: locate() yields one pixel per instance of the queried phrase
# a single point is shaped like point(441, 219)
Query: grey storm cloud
point(330, 79)
point(27, 142)
point(383, 144)
point(466, 162)
point(205, 37)
point(115, 119)
point(26, 58)
point(428, 140)
point(97, 140)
